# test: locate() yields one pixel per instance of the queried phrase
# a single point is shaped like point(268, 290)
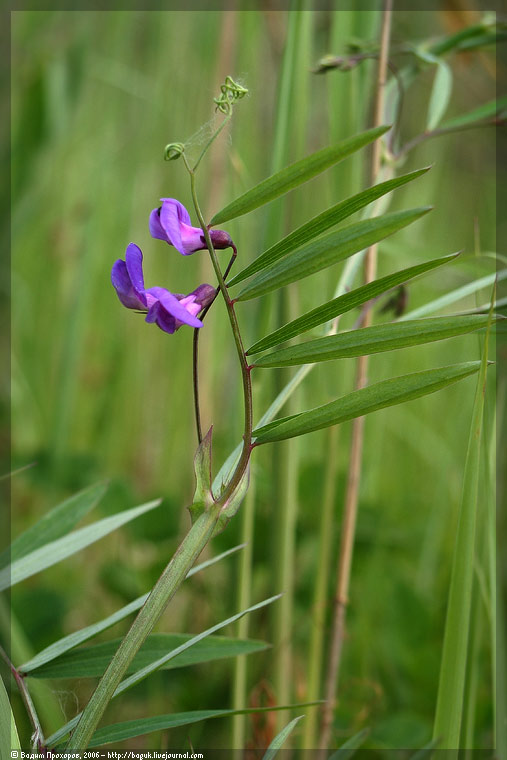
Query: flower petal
point(134, 262)
point(162, 318)
point(123, 286)
point(179, 209)
point(156, 230)
point(175, 222)
point(174, 307)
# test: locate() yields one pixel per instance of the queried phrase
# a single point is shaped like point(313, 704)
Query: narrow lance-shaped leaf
point(440, 95)
point(84, 634)
point(55, 551)
point(118, 732)
point(328, 250)
point(396, 390)
point(8, 730)
point(146, 671)
point(91, 661)
point(349, 748)
point(54, 524)
point(483, 113)
point(449, 709)
point(454, 295)
point(372, 340)
point(321, 223)
point(295, 174)
point(344, 303)
point(280, 739)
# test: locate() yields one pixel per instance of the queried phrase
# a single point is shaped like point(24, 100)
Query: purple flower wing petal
point(173, 306)
point(159, 315)
point(175, 222)
point(134, 262)
point(178, 208)
point(123, 286)
point(156, 229)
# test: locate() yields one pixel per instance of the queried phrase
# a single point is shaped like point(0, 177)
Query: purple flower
point(171, 222)
point(168, 310)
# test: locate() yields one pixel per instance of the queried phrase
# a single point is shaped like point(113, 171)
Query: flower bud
point(204, 294)
point(220, 239)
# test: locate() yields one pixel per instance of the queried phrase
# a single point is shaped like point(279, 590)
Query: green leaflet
point(295, 174)
point(91, 661)
point(323, 222)
point(389, 392)
point(344, 303)
point(372, 340)
point(55, 551)
point(329, 250)
point(56, 523)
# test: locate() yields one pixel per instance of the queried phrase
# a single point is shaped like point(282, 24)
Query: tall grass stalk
point(354, 471)
point(449, 709)
point(346, 117)
point(320, 592)
point(290, 125)
point(244, 595)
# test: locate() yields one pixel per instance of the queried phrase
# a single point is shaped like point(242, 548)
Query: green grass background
point(97, 394)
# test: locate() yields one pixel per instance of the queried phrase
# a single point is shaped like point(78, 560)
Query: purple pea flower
point(168, 310)
point(171, 222)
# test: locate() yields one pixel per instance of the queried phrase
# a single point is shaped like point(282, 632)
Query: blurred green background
point(97, 394)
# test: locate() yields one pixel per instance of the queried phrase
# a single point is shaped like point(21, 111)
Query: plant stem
point(243, 601)
point(195, 353)
point(354, 472)
point(163, 591)
point(212, 139)
point(38, 736)
point(319, 603)
point(245, 368)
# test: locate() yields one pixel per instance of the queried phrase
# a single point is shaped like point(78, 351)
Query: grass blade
point(8, 731)
point(55, 524)
point(91, 662)
point(295, 174)
point(129, 729)
point(55, 551)
point(329, 250)
point(78, 637)
point(396, 390)
point(344, 303)
point(323, 222)
point(455, 295)
point(372, 340)
point(482, 113)
point(280, 738)
point(451, 685)
point(146, 671)
point(440, 95)
point(348, 749)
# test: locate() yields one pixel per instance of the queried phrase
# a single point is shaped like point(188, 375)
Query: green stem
point(163, 591)
point(320, 593)
point(212, 140)
point(245, 368)
point(243, 601)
